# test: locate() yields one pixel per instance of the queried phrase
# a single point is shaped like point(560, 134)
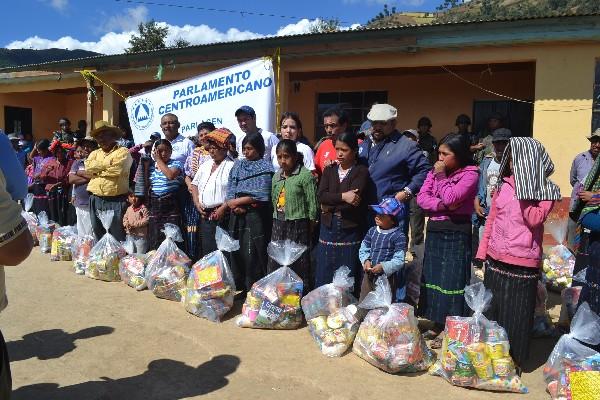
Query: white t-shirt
point(270, 142)
point(491, 179)
point(212, 188)
point(308, 156)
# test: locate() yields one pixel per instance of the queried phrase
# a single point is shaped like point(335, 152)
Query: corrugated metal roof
point(266, 39)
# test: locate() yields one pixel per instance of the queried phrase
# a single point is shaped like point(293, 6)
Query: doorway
point(518, 116)
point(18, 120)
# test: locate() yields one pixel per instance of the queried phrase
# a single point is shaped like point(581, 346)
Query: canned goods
point(503, 367)
point(498, 350)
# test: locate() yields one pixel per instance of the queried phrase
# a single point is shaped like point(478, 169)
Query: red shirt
point(325, 152)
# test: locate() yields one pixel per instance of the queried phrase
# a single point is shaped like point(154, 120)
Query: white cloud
point(128, 21)
point(59, 5)
point(414, 3)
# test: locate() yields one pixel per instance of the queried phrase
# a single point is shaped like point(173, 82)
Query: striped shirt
point(160, 184)
point(385, 247)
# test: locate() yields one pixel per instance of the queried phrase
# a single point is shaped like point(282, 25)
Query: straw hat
point(104, 126)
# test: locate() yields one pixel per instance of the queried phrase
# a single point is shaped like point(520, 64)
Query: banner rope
point(90, 75)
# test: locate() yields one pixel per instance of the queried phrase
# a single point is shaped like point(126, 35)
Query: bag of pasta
point(44, 231)
point(389, 336)
point(106, 254)
point(62, 243)
point(332, 315)
point(210, 286)
point(572, 356)
point(132, 267)
point(30, 217)
point(559, 261)
point(274, 301)
point(167, 270)
point(475, 351)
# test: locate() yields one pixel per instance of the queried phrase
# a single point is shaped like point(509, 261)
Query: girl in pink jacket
point(447, 196)
point(512, 239)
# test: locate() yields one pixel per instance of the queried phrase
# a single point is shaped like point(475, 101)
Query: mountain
point(16, 57)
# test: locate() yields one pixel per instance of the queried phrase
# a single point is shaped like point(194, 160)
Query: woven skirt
point(590, 292)
point(162, 209)
point(297, 231)
point(446, 272)
point(514, 291)
point(191, 220)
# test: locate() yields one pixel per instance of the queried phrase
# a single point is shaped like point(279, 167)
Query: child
point(512, 239)
point(79, 180)
point(135, 223)
point(294, 197)
point(383, 248)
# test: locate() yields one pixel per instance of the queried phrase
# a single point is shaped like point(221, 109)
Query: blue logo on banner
point(143, 113)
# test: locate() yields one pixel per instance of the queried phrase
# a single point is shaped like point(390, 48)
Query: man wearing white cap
point(396, 164)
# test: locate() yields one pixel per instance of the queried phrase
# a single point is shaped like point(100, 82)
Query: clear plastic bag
point(274, 301)
point(389, 336)
point(44, 231)
point(30, 217)
point(82, 247)
point(210, 286)
point(570, 354)
point(62, 243)
point(132, 267)
point(558, 260)
point(167, 270)
point(106, 254)
point(331, 314)
point(475, 351)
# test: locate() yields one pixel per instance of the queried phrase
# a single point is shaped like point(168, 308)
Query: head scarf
point(219, 137)
point(531, 168)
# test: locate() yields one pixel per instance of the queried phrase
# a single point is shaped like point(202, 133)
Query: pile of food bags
point(81, 247)
point(475, 350)
point(389, 336)
point(210, 286)
point(167, 269)
point(332, 315)
point(62, 243)
point(571, 361)
point(274, 301)
point(132, 267)
point(103, 263)
point(30, 217)
point(43, 232)
point(558, 260)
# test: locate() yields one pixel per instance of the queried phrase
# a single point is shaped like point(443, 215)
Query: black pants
point(5, 376)
point(116, 203)
point(417, 225)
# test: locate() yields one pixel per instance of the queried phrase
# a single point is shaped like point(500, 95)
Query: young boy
point(80, 197)
point(383, 248)
point(135, 222)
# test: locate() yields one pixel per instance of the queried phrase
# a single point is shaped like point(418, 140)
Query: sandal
point(437, 342)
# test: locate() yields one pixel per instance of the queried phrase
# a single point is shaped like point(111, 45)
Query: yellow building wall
point(46, 109)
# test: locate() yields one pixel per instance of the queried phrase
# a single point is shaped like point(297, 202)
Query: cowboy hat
point(104, 126)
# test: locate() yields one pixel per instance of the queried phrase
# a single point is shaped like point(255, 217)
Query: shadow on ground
point(52, 343)
point(165, 379)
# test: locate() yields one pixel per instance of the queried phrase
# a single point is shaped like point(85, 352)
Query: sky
point(105, 26)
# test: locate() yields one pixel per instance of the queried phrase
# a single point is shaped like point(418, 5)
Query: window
point(596, 101)
point(356, 104)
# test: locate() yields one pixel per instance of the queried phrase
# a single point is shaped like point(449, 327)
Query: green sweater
point(300, 194)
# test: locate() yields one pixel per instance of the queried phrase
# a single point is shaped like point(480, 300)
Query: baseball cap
point(245, 110)
point(13, 136)
point(382, 112)
point(501, 135)
point(412, 132)
point(155, 136)
point(390, 206)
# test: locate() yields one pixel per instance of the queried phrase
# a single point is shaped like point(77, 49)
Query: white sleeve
point(309, 158)
point(274, 158)
point(198, 176)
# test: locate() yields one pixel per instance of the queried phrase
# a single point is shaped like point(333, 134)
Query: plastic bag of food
point(167, 270)
point(558, 260)
point(44, 231)
point(132, 267)
point(475, 351)
point(106, 254)
point(571, 354)
point(62, 243)
point(30, 217)
point(542, 323)
point(329, 298)
point(210, 286)
point(389, 336)
point(81, 248)
point(570, 299)
point(274, 301)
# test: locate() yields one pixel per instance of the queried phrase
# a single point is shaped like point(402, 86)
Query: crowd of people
point(352, 199)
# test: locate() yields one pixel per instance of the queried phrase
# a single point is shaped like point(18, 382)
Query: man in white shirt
point(182, 146)
point(246, 118)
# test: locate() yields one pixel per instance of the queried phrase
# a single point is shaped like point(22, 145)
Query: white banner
point(212, 97)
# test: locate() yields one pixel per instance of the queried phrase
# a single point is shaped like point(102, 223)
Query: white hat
point(382, 112)
point(413, 132)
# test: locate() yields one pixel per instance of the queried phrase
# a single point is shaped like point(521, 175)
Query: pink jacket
point(514, 230)
point(444, 196)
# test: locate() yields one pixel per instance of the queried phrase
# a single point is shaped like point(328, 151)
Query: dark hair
point(165, 142)
point(349, 138)
point(424, 121)
point(290, 147)
point(459, 145)
point(82, 123)
point(498, 116)
point(291, 115)
point(209, 126)
point(87, 142)
point(255, 140)
point(67, 120)
point(463, 119)
point(338, 112)
point(43, 144)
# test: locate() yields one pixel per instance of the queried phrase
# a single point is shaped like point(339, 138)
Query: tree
point(151, 36)
point(179, 43)
point(325, 26)
point(386, 12)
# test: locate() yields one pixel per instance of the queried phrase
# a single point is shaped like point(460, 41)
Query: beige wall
point(46, 109)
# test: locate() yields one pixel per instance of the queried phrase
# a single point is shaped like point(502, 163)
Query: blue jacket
point(16, 180)
point(394, 164)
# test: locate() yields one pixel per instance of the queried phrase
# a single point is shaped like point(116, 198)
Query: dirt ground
point(71, 337)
